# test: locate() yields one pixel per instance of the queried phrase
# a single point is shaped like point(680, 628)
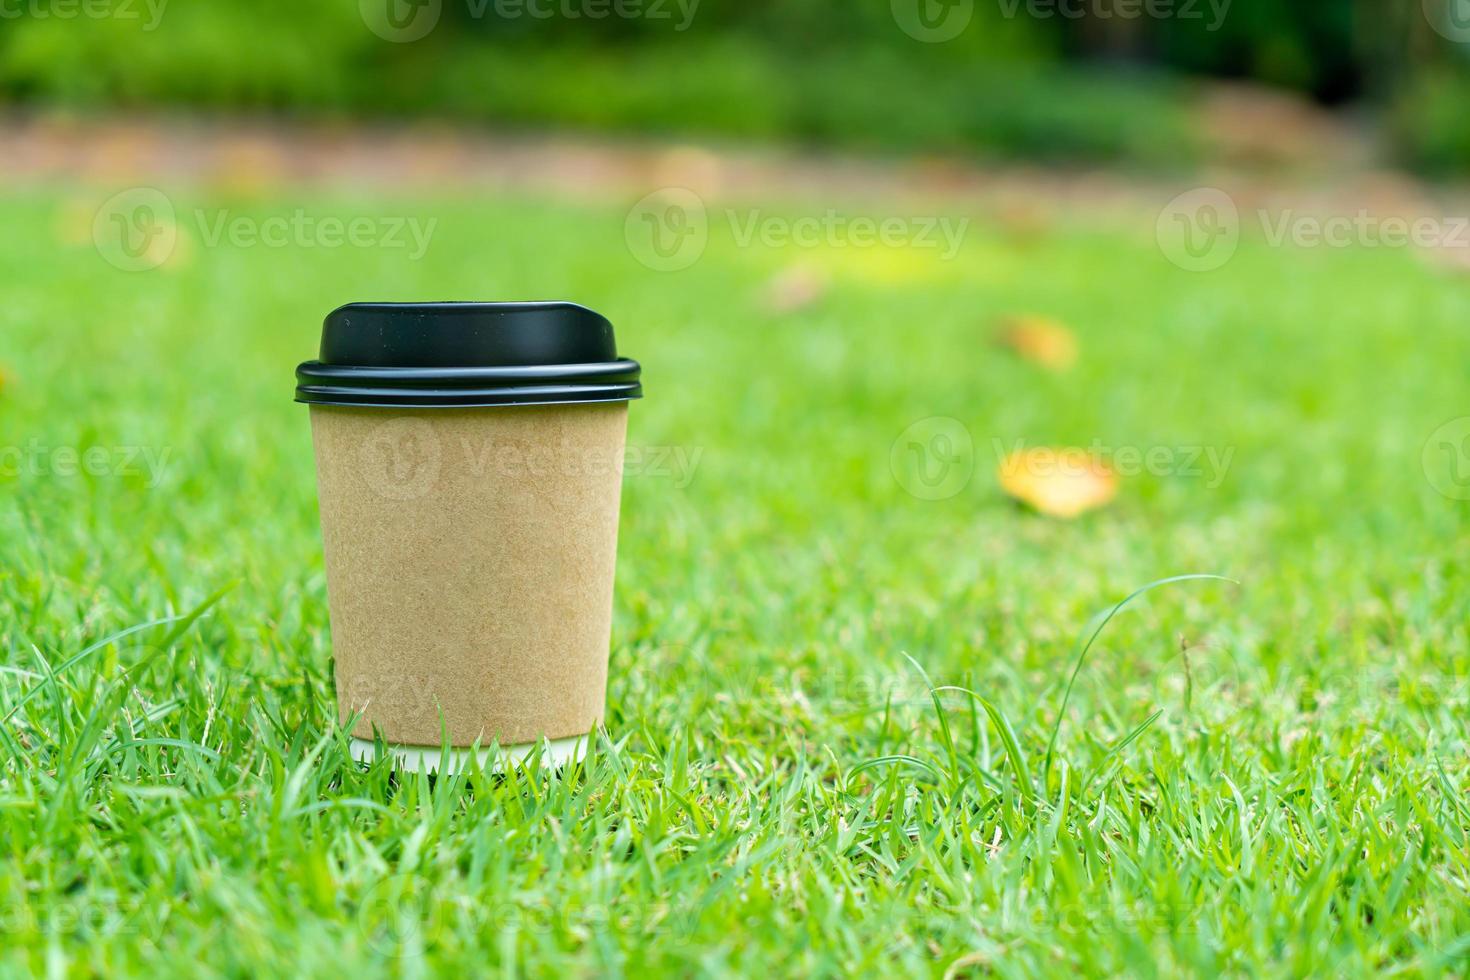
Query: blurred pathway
point(1312, 166)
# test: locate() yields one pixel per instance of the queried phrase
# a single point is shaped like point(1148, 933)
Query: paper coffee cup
point(469, 462)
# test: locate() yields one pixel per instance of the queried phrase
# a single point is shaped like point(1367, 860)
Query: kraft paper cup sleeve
point(469, 517)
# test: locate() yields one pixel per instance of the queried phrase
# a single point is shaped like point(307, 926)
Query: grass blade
point(1107, 617)
point(1008, 741)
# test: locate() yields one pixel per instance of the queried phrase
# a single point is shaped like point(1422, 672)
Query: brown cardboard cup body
point(470, 557)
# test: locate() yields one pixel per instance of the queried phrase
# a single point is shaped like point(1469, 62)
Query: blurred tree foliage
point(1049, 79)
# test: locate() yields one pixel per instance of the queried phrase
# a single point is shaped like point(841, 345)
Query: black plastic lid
point(466, 355)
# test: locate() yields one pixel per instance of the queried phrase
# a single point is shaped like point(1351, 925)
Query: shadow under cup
point(469, 461)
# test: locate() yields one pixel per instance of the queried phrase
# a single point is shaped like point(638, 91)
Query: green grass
point(778, 792)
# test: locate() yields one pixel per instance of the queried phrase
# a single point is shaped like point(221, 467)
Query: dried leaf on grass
point(1058, 482)
point(795, 288)
point(1040, 340)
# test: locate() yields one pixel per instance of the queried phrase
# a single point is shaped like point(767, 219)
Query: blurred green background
point(1076, 80)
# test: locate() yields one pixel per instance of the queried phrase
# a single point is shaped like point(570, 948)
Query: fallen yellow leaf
point(1040, 340)
point(182, 255)
point(795, 288)
point(690, 166)
point(1058, 482)
point(122, 153)
point(1023, 223)
point(248, 166)
point(74, 221)
point(898, 266)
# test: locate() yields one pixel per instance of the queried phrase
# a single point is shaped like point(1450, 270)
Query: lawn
point(1263, 776)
